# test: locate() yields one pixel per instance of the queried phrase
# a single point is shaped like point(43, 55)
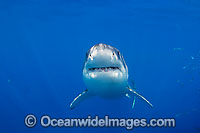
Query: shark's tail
point(132, 93)
point(134, 88)
point(140, 96)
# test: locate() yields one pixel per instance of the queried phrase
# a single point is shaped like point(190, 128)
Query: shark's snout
point(103, 58)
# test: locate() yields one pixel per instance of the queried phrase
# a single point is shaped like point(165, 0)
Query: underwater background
point(43, 44)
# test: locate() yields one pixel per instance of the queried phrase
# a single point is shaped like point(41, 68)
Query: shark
point(105, 74)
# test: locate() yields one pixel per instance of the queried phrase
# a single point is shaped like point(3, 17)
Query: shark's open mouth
point(105, 69)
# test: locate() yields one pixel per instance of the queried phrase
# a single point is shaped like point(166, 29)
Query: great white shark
point(105, 74)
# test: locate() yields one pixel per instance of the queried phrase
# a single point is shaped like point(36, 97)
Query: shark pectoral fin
point(140, 96)
point(81, 97)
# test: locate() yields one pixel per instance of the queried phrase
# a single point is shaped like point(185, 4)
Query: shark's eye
point(90, 55)
point(113, 53)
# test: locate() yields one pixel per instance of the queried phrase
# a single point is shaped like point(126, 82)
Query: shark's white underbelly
point(106, 84)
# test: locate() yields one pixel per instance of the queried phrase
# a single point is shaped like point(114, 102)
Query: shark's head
point(104, 67)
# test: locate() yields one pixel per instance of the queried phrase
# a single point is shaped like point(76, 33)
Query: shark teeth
point(103, 68)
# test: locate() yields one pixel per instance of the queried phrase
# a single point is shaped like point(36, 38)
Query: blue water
point(42, 50)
